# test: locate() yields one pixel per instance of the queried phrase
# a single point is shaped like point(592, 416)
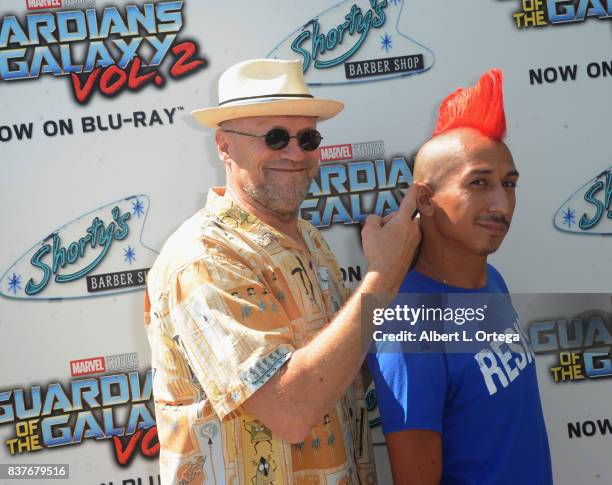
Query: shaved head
point(444, 155)
point(466, 191)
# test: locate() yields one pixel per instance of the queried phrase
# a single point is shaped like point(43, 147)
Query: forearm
point(318, 374)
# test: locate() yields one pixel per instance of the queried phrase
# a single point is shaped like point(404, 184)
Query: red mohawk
point(480, 107)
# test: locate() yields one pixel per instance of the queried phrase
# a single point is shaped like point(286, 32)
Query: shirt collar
point(228, 211)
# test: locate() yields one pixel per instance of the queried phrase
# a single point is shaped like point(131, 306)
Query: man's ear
point(222, 145)
point(423, 199)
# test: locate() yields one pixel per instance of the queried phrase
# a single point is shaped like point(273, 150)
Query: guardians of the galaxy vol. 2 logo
point(583, 346)
point(115, 407)
point(364, 183)
point(108, 50)
point(539, 13)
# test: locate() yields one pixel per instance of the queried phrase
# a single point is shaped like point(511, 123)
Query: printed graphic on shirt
point(225, 316)
point(502, 363)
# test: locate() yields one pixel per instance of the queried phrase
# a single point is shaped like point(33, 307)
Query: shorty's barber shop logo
point(356, 41)
point(589, 209)
point(98, 253)
point(364, 183)
point(108, 50)
point(540, 13)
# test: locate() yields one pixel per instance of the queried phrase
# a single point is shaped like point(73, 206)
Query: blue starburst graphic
point(137, 208)
point(569, 217)
point(385, 42)
point(129, 255)
point(14, 283)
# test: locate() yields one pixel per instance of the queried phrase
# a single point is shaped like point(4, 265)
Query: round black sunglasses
point(279, 138)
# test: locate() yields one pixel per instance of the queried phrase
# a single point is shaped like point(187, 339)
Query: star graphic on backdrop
point(569, 217)
point(137, 208)
point(385, 42)
point(14, 283)
point(129, 255)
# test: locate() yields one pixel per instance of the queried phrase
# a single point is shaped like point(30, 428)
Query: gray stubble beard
point(284, 200)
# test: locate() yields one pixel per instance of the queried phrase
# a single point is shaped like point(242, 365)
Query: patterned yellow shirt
point(228, 301)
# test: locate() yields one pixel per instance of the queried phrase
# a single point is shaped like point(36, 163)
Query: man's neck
point(285, 225)
point(451, 265)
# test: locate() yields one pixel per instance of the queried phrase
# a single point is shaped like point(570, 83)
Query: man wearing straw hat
point(256, 345)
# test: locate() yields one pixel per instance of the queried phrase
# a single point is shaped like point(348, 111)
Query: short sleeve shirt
point(229, 300)
point(486, 406)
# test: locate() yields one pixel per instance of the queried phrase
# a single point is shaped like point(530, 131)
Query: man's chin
point(487, 250)
point(285, 203)
point(285, 212)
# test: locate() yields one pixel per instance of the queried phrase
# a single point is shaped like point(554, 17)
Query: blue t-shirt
point(486, 407)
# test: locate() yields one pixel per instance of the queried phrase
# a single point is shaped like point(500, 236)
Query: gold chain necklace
point(435, 273)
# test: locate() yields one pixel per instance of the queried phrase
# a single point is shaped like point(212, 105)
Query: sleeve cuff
point(254, 373)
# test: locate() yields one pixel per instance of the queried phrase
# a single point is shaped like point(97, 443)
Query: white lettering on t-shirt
point(489, 368)
point(499, 362)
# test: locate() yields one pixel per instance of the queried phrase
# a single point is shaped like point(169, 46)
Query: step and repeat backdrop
point(100, 161)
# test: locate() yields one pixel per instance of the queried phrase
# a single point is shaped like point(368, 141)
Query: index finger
point(408, 204)
point(389, 216)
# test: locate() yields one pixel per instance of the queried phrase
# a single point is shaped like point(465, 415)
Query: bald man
point(463, 417)
point(466, 212)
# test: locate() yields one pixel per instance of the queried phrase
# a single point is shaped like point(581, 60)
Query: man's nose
point(502, 201)
point(293, 151)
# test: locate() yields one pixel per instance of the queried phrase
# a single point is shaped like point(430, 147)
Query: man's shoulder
point(194, 240)
point(495, 280)
point(180, 247)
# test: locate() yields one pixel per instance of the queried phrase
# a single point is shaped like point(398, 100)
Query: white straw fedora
point(265, 87)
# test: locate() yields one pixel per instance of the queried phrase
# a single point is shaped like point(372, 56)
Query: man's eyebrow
point(487, 171)
point(481, 171)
